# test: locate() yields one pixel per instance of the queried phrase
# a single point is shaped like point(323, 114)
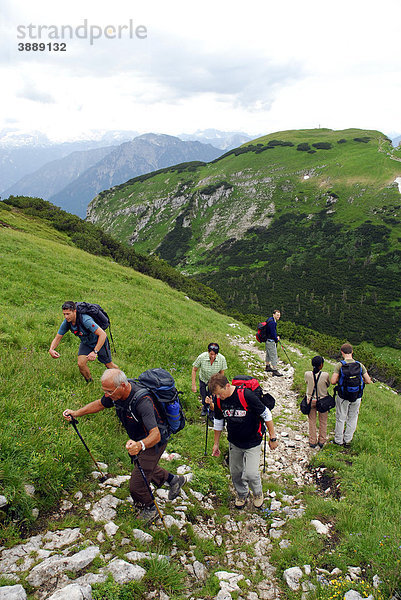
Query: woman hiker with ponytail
point(322, 380)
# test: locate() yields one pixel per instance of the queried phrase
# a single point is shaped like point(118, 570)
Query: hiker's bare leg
point(111, 365)
point(83, 366)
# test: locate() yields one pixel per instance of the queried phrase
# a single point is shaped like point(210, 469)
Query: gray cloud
point(31, 92)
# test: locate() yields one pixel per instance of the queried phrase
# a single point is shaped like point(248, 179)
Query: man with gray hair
point(140, 420)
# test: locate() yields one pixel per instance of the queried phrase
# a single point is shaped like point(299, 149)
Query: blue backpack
point(350, 385)
point(160, 386)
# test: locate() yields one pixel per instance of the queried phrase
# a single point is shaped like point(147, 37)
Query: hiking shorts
point(104, 354)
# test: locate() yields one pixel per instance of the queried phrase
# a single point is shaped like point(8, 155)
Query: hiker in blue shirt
point(347, 407)
point(271, 344)
point(93, 340)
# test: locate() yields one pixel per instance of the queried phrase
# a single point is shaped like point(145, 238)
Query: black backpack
point(98, 314)
point(350, 385)
point(249, 382)
point(160, 386)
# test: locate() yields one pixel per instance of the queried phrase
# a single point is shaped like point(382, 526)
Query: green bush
point(303, 147)
point(322, 146)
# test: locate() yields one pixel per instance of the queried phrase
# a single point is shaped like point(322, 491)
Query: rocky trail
point(65, 563)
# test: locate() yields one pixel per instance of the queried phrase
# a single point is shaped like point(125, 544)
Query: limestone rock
point(275, 534)
point(3, 502)
point(29, 490)
point(104, 510)
point(111, 529)
point(140, 535)
point(229, 581)
point(320, 527)
point(117, 481)
point(10, 556)
point(124, 572)
point(73, 591)
point(12, 592)
point(56, 565)
point(292, 577)
point(199, 570)
point(352, 595)
point(58, 539)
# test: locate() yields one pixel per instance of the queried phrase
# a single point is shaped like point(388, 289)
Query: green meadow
point(156, 326)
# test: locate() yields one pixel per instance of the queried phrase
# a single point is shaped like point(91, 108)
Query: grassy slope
point(153, 325)
point(346, 169)
point(330, 256)
point(156, 326)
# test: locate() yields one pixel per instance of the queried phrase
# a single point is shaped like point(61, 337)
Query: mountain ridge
point(332, 191)
point(73, 181)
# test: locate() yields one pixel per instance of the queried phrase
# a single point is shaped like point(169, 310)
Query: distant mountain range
point(307, 221)
point(225, 140)
point(24, 154)
point(57, 174)
point(72, 179)
point(143, 154)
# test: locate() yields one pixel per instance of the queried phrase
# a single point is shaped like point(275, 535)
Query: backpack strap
point(315, 379)
point(241, 396)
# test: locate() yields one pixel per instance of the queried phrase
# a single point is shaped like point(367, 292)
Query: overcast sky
point(256, 66)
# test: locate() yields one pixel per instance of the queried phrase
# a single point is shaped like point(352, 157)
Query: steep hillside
point(153, 325)
point(48, 493)
point(303, 220)
point(143, 154)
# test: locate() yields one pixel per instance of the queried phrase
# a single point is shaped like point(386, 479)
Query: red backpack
point(243, 382)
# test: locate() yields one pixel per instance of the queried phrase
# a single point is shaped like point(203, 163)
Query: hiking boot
point(240, 502)
point(312, 445)
point(347, 444)
point(258, 500)
point(148, 514)
point(276, 373)
point(175, 486)
point(90, 380)
point(268, 369)
point(320, 445)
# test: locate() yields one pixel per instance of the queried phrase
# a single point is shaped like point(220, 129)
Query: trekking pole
point(74, 423)
point(134, 459)
point(289, 360)
point(264, 456)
